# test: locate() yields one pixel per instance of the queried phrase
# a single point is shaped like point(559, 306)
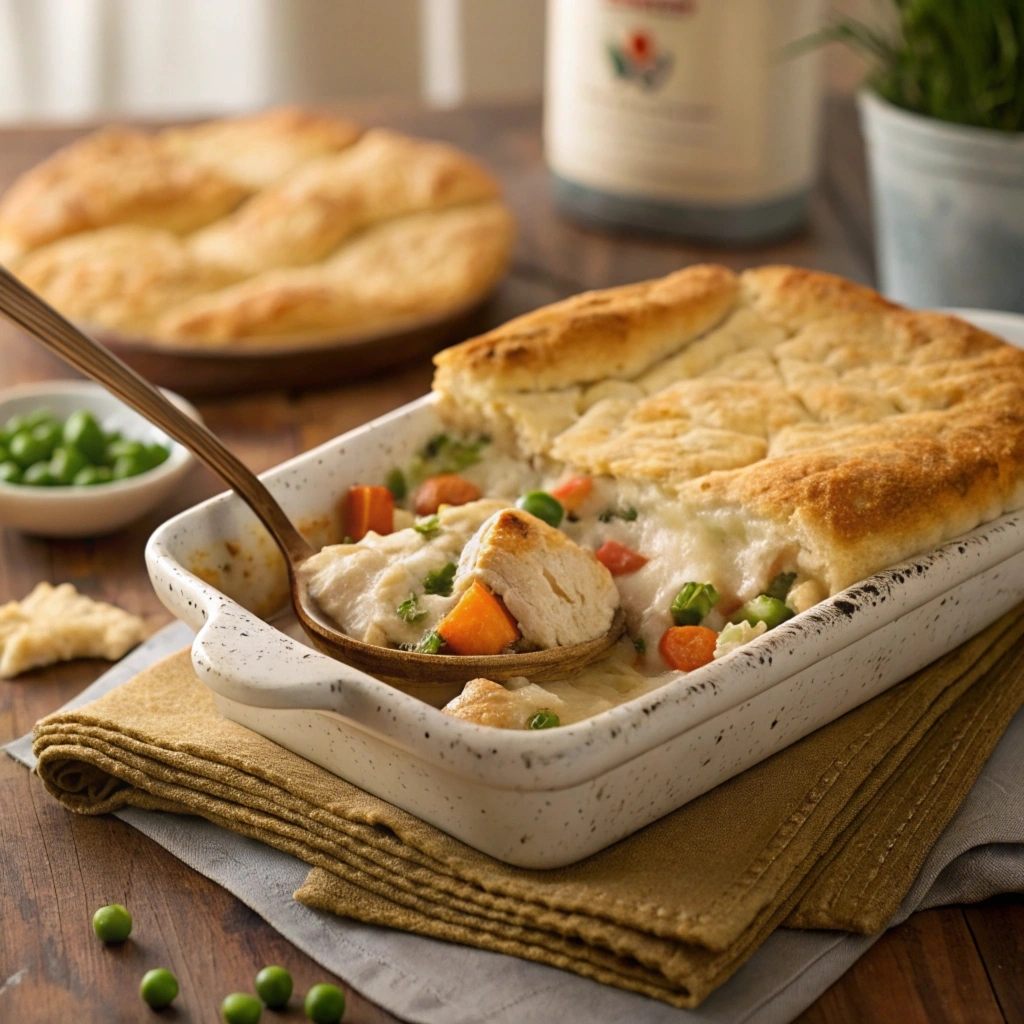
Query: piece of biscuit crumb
point(58, 624)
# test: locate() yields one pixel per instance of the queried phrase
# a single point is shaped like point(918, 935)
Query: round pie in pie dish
point(283, 229)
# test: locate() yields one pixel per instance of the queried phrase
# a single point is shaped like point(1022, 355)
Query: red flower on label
point(637, 58)
point(640, 47)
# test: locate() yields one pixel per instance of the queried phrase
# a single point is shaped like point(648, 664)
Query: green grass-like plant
point(955, 60)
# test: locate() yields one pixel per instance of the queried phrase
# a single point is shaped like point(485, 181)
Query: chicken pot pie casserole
point(715, 453)
point(286, 224)
point(712, 453)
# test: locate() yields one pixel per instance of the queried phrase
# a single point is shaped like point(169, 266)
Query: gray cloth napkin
point(980, 854)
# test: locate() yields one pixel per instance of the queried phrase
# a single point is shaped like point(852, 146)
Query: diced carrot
point(687, 647)
point(447, 489)
point(572, 493)
point(479, 624)
point(618, 559)
point(367, 508)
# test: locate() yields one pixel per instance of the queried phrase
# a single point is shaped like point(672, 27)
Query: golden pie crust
point(280, 224)
point(789, 405)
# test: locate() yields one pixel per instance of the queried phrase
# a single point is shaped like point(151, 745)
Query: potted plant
point(943, 115)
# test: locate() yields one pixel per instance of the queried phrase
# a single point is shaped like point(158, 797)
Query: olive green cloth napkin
point(829, 833)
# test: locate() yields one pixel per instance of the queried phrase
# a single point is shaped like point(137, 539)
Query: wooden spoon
point(406, 669)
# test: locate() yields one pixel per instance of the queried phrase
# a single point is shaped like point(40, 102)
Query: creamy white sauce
point(600, 686)
point(737, 555)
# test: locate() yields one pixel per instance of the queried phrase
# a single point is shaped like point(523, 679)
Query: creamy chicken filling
point(398, 588)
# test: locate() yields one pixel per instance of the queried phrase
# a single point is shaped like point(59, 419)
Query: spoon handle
point(44, 323)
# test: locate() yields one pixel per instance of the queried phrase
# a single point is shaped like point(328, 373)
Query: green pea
point(109, 440)
point(324, 1004)
point(10, 473)
point(39, 475)
point(120, 447)
point(240, 1008)
point(66, 463)
point(543, 720)
point(274, 987)
point(82, 431)
point(158, 988)
point(92, 475)
point(128, 465)
point(14, 425)
point(543, 506)
point(396, 483)
point(48, 435)
point(112, 923)
point(157, 454)
point(25, 449)
point(38, 418)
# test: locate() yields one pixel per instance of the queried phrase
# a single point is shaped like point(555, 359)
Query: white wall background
point(66, 59)
point(72, 59)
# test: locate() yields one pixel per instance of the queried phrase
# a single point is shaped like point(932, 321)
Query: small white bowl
point(102, 508)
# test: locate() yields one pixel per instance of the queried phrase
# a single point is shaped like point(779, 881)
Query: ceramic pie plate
point(548, 798)
point(290, 363)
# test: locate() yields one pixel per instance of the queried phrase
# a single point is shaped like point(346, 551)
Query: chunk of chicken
point(360, 586)
point(488, 703)
point(557, 591)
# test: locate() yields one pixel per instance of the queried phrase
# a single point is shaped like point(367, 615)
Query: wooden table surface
point(949, 964)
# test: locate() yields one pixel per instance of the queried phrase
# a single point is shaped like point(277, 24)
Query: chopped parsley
point(409, 610)
point(433, 447)
point(780, 586)
point(430, 644)
point(543, 720)
point(395, 483)
point(446, 454)
point(629, 514)
point(693, 604)
point(347, 540)
point(640, 644)
point(439, 581)
point(428, 527)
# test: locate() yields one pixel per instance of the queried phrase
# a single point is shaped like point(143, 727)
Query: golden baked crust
point(259, 150)
point(115, 176)
point(283, 224)
point(312, 211)
point(409, 268)
point(806, 410)
point(123, 278)
point(616, 333)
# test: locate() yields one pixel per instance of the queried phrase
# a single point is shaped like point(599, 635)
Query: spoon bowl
point(415, 673)
point(404, 669)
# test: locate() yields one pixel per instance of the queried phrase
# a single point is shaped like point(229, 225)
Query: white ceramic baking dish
point(547, 798)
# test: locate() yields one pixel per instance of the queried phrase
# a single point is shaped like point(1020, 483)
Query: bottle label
point(686, 100)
